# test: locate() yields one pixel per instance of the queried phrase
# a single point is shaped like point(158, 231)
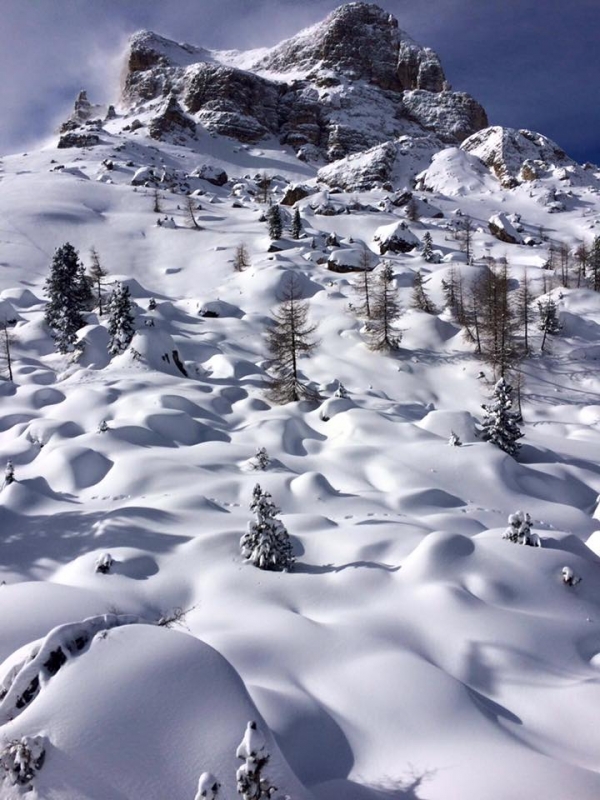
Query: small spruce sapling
point(104, 563)
point(427, 249)
point(266, 543)
point(251, 783)
point(519, 530)
point(20, 759)
point(261, 459)
point(499, 425)
point(454, 440)
point(569, 578)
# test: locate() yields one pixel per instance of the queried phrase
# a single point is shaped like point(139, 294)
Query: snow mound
point(455, 173)
point(141, 714)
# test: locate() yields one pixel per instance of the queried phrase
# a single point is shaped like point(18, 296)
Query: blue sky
point(531, 63)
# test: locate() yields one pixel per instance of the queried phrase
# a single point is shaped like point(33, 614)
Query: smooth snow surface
point(412, 653)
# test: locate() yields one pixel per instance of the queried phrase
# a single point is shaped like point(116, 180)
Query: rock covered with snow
point(501, 227)
point(348, 259)
point(211, 173)
point(361, 171)
point(515, 156)
point(396, 237)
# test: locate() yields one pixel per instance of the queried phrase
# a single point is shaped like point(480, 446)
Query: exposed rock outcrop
point(171, 119)
point(78, 140)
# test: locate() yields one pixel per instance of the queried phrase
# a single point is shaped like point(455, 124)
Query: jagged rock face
point(232, 102)
point(171, 120)
point(358, 81)
point(514, 156)
point(451, 115)
point(361, 41)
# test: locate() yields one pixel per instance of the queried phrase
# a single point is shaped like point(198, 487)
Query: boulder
point(395, 238)
point(504, 230)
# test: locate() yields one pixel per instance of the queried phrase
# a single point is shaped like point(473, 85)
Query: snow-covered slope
point(412, 652)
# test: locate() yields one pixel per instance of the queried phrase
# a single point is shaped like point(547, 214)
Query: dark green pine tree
point(296, 224)
point(274, 222)
point(68, 292)
point(120, 322)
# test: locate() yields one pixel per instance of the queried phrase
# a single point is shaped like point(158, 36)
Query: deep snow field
point(412, 653)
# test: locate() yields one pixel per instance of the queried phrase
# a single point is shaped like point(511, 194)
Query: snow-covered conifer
point(68, 291)
point(120, 323)
point(519, 529)
point(454, 440)
point(251, 783)
point(20, 759)
point(274, 223)
point(427, 247)
point(500, 422)
point(261, 459)
point(104, 563)
point(266, 543)
point(569, 578)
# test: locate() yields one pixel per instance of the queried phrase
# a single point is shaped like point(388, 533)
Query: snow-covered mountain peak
point(360, 41)
point(344, 85)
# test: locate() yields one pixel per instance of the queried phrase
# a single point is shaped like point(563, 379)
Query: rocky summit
point(349, 83)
